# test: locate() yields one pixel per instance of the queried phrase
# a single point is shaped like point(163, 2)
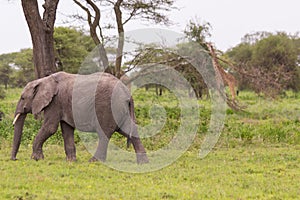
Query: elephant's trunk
point(18, 130)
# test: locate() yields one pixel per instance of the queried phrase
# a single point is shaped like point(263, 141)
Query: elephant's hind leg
point(141, 155)
point(68, 135)
point(101, 152)
point(134, 138)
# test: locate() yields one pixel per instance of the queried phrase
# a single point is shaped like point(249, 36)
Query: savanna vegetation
point(256, 157)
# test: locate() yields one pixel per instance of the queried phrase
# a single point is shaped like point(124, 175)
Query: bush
point(2, 93)
point(264, 122)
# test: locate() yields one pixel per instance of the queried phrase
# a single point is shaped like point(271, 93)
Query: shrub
point(2, 93)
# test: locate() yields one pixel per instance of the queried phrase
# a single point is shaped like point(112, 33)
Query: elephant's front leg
point(49, 127)
point(68, 135)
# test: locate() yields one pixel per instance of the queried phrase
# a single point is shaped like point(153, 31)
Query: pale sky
point(230, 19)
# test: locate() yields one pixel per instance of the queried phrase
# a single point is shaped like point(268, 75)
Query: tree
point(252, 38)
point(124, 12)
point(41, 30)
point(16, 69)
point(275, 50)
point(268, 65)
point(5, 68)
point(24, 68)
point(153, 58)
point(71, 47)
point(5, 71)
point(242, 53)
point(198, 32)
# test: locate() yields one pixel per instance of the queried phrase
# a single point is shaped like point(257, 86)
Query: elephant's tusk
point(16, 118)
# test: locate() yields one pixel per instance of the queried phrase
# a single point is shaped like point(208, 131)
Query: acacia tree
point(124, 12)
point(41, 30)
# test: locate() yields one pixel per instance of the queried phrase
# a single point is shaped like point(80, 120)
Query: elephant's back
point(100, 97)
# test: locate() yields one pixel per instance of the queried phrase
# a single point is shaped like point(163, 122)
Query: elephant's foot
point(142, 158)
point(37, 156)
point(94, 159)
point(71, 158)
point(13, 158)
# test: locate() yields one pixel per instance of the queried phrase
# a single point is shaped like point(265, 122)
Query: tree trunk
point(41, 30)
point(120, 49)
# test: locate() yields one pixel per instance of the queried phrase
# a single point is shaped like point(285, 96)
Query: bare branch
point(125, 11)
point(132, 14)
point(93, 29)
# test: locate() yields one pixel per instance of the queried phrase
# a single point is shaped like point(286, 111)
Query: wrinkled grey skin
point(54, 96)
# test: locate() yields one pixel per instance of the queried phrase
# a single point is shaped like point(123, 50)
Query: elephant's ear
point(44, 92)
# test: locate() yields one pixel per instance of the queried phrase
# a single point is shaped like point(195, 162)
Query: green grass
point(256, 157)
point(241, 173)
point(265, 121)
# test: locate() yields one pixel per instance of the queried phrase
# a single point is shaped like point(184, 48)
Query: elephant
point(97, 102)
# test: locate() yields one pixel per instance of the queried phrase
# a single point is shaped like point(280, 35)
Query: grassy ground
point(270, 172)
point(256, 157)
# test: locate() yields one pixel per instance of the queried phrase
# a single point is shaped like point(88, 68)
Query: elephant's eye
point(22, 98)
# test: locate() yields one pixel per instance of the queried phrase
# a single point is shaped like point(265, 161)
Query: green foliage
point(16, 69)
point(257, 156)
point(5, 71)
point(198, 32)
point(268, 62)
point(175, 59)
point(5, 68)
point(264, 121)
point(148, 107)
point(71, 47)
point(2, 93)
point(241, 53)
point(24, 71)
point(275, 50)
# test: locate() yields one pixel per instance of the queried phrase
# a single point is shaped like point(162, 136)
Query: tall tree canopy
point(71, 47)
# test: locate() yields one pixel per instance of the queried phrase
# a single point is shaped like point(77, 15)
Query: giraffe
point(227, 78)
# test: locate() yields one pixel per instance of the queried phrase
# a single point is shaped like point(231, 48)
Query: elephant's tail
point(131, 110)
point(133, 123)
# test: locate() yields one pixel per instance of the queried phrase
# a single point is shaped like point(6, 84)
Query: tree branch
point(121, 38)
point(93, 29)
point(132, 14)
